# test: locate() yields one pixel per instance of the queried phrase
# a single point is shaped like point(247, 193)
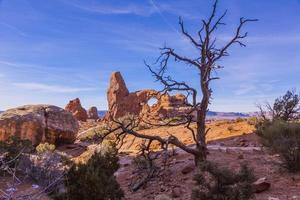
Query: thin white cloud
point(51, 88)
point(142, 10)
point(281, 39)
point(130, 8)
point(13, 28)
point(23, 65)
point(245, 88)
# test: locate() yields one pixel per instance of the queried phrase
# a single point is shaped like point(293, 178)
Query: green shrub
point(284, 138)
point(214, 183)
point(45, 147)
point(261, 125)
point(95, 180)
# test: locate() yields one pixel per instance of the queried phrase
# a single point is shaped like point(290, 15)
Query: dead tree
point(206, 64)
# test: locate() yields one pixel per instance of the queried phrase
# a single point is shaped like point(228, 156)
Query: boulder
point(93, 113)
point(121, 102)
point(39, 123)
point(74, 106)
point(261, 185)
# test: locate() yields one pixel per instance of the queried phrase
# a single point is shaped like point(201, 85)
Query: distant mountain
point(226, 115)
point(210, 114)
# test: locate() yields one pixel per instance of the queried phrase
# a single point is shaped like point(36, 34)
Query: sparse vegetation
point(230, 128)
point(145, 166)
point(214, 183)
point(45, 147)
point(252, 121)
point(281, 132)
point(239, 119)
point(96, 134)
point(284, 138)
point(95, 179)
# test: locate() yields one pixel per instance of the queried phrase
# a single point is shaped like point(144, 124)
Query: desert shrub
point(252, 121)
point(284, 138)
point(96, 134)
point(140, 162)
point(239, 119)
point(261, 125)
point(45, 147)
point(214, 183)
point(230, 128)
point(14, 147)
point(95, 179)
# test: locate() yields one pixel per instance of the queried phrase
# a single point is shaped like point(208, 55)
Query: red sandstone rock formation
point(39, 123)
point(121, 102)
point(93, 113)
point(74, 106)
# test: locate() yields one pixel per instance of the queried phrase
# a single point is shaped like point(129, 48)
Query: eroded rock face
point(93, 113)
point(74, 106)
point(39, 123)
point(121, 102)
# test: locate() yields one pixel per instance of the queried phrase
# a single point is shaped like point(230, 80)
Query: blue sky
point(54, 50)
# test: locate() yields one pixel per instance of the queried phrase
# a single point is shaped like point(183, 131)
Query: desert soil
point(231, 143)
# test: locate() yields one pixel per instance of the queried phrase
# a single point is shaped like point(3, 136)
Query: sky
point(52, 51)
